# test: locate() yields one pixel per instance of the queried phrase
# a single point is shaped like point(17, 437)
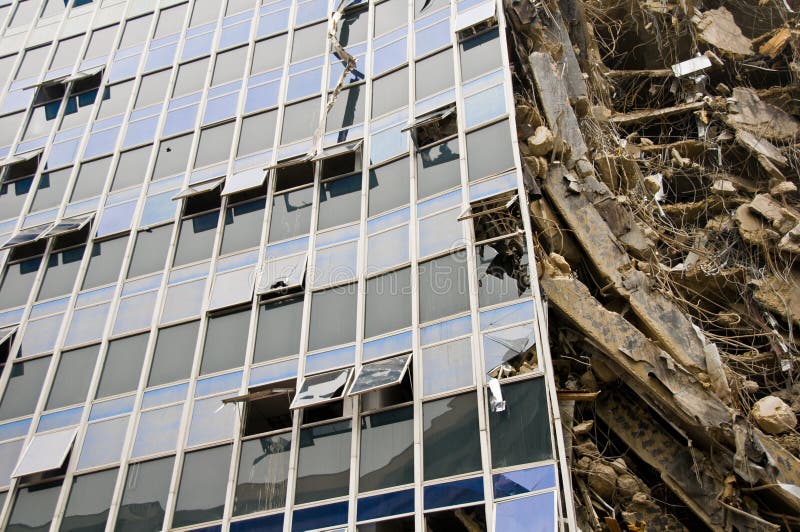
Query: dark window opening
point(268, 409)
point(468, 519)
point(434, 127)
point(294, 176)
point(206, 201)
point(398, 394)
point(345, 163)
point(323, 412)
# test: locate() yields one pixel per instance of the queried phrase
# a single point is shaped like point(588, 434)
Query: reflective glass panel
point(123, 365)
point(323, 464)
point(73, 376)
point(450, 439)
point(201, 493)
point(333, 317)
point(263, 474)
point(278, 332)
point(174, 353)
point(388, 303)
point(89, 501)
point(226, 341)
point(387, 449)
point(145, 495)
point(443, 286)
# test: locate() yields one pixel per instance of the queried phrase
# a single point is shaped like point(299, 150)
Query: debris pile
point(665, 141)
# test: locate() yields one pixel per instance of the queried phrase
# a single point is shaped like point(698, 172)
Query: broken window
point(267, 409)
point(464, 519)
point(476, 18)
point(520, 432)
point(443, 286)
point(503, 271)
point(322, 388)
point(434, 126)
point(232, 288)
point(282, 274)
point(45, 452)
point(386, 458)
point(446, 421)
point(323, 463)
point(278, 331)
point(212, 420)
point(511, 351)
point(226, 341)
point(263, 474)
point(144, 497)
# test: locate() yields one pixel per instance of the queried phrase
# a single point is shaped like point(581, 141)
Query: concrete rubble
point(664, 140)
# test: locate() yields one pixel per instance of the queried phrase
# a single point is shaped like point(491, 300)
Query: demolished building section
point(664, 138)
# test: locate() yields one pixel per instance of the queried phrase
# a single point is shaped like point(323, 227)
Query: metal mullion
point(564, 488)
point(186, 418)
point(472, 276)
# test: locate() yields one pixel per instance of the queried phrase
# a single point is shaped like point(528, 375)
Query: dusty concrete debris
point(718, 28)
point(773, 415)
point(603, 479)
point(667, 234)
point(541, 142)
point(723, 187)
point(749, 112)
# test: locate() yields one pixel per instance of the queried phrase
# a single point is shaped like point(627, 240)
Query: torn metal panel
point(555, 103)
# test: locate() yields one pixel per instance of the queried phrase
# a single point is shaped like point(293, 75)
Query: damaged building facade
point(269, 265)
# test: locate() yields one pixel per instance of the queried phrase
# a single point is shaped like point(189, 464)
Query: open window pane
point(244, 180)
point(199, 188)
point(263, 474)
point(46, 452)
point(232, 288)
point(475, 15)
point(387, 449)
point(68, 225)
point(322, 388)
point(282, 274)
point(380, 374)
point(450, 440)
point(201, 494)
point(145, 496)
